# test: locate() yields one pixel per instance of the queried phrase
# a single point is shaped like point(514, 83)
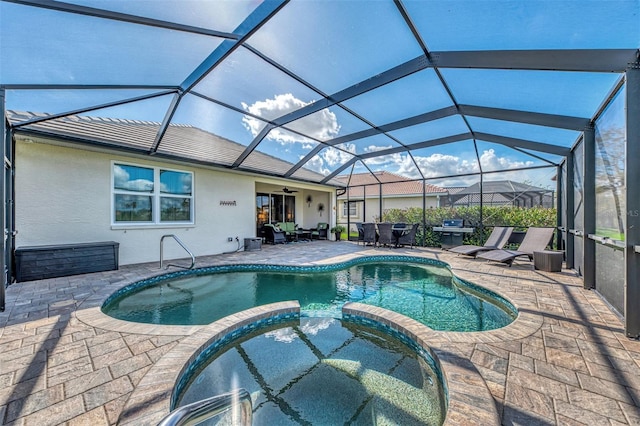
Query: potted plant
point(338, 230)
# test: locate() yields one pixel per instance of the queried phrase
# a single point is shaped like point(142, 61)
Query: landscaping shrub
point(518, 217)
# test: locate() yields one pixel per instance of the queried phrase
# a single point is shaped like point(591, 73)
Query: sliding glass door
point(273, 208)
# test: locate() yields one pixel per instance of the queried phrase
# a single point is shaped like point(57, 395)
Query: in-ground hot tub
point(322, 371)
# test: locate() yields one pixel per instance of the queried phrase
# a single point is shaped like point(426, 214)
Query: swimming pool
point(323, 371)
point(422, 289)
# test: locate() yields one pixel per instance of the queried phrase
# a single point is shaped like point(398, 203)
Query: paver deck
point(565, 360)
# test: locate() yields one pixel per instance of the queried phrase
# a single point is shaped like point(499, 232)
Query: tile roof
point(180, 141)
point(395, 185)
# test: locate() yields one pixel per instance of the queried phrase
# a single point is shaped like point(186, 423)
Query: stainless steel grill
point(452, 232)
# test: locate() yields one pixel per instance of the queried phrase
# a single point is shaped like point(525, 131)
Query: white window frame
point(348, 207)
point(156, 196)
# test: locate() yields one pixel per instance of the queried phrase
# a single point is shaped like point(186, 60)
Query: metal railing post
point(193, 259)
point(202, 410)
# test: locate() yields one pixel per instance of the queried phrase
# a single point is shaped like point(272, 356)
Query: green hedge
point(518, 217)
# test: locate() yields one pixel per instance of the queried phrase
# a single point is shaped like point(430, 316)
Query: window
point(151, 195)
point(349, 209)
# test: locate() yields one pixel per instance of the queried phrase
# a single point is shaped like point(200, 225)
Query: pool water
point(425, 293)
point(321, 371)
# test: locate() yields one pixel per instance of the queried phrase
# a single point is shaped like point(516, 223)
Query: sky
point(331, 46)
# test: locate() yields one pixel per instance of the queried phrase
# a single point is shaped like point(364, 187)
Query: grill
point(451, 232)
point(452, 223)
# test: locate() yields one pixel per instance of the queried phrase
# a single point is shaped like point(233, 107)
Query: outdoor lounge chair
point(498, 238)
point(536, 239)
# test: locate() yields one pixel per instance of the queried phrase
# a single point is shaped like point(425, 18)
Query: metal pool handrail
point(193, 258)
point(205, 409)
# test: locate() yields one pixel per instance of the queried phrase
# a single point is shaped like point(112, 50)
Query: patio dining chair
point(498, 238)
point(360, 229)
point(536, 239)
point(370, 235)
point(385, 231)
point(410, 237)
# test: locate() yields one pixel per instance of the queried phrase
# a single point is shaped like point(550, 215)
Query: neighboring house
point(501, 193)
point(398, 192)
point(84, 179)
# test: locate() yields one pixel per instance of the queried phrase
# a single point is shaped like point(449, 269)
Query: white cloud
point(335, 157)
point(443, 164)
point(122, 180)
point(312, 328)
point(351, 147)
point(375, 148)
point(316, 164)
point(282, 335)
point(490, 161)
point(321, 125)
point(328, 160)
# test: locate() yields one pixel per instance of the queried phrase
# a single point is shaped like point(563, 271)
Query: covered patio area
point(565, 360)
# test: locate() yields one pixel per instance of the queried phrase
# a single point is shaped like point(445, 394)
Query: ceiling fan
point(287, 190)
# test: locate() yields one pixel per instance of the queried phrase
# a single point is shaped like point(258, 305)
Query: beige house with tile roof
point(82, 179)
point(398, 192)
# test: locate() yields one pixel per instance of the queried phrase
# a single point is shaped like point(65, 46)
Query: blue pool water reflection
point(321, 371)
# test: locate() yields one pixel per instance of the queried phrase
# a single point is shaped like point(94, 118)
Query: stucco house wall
point(63, 196)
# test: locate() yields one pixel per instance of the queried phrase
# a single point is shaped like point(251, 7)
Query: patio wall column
point(569, 214)
point(589, 208)
point(632, 222)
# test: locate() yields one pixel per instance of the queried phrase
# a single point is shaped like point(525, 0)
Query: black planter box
point(39, 262)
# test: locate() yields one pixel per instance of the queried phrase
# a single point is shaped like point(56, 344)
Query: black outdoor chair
point(385, 231)
point(360, 229)
point(273, 235)
point(320, 232)
point(410, 237)
point(370, 236)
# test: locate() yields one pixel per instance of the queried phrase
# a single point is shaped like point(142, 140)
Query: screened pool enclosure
point(448, 94)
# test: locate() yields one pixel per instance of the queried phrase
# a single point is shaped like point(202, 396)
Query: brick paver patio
point(564, 361)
